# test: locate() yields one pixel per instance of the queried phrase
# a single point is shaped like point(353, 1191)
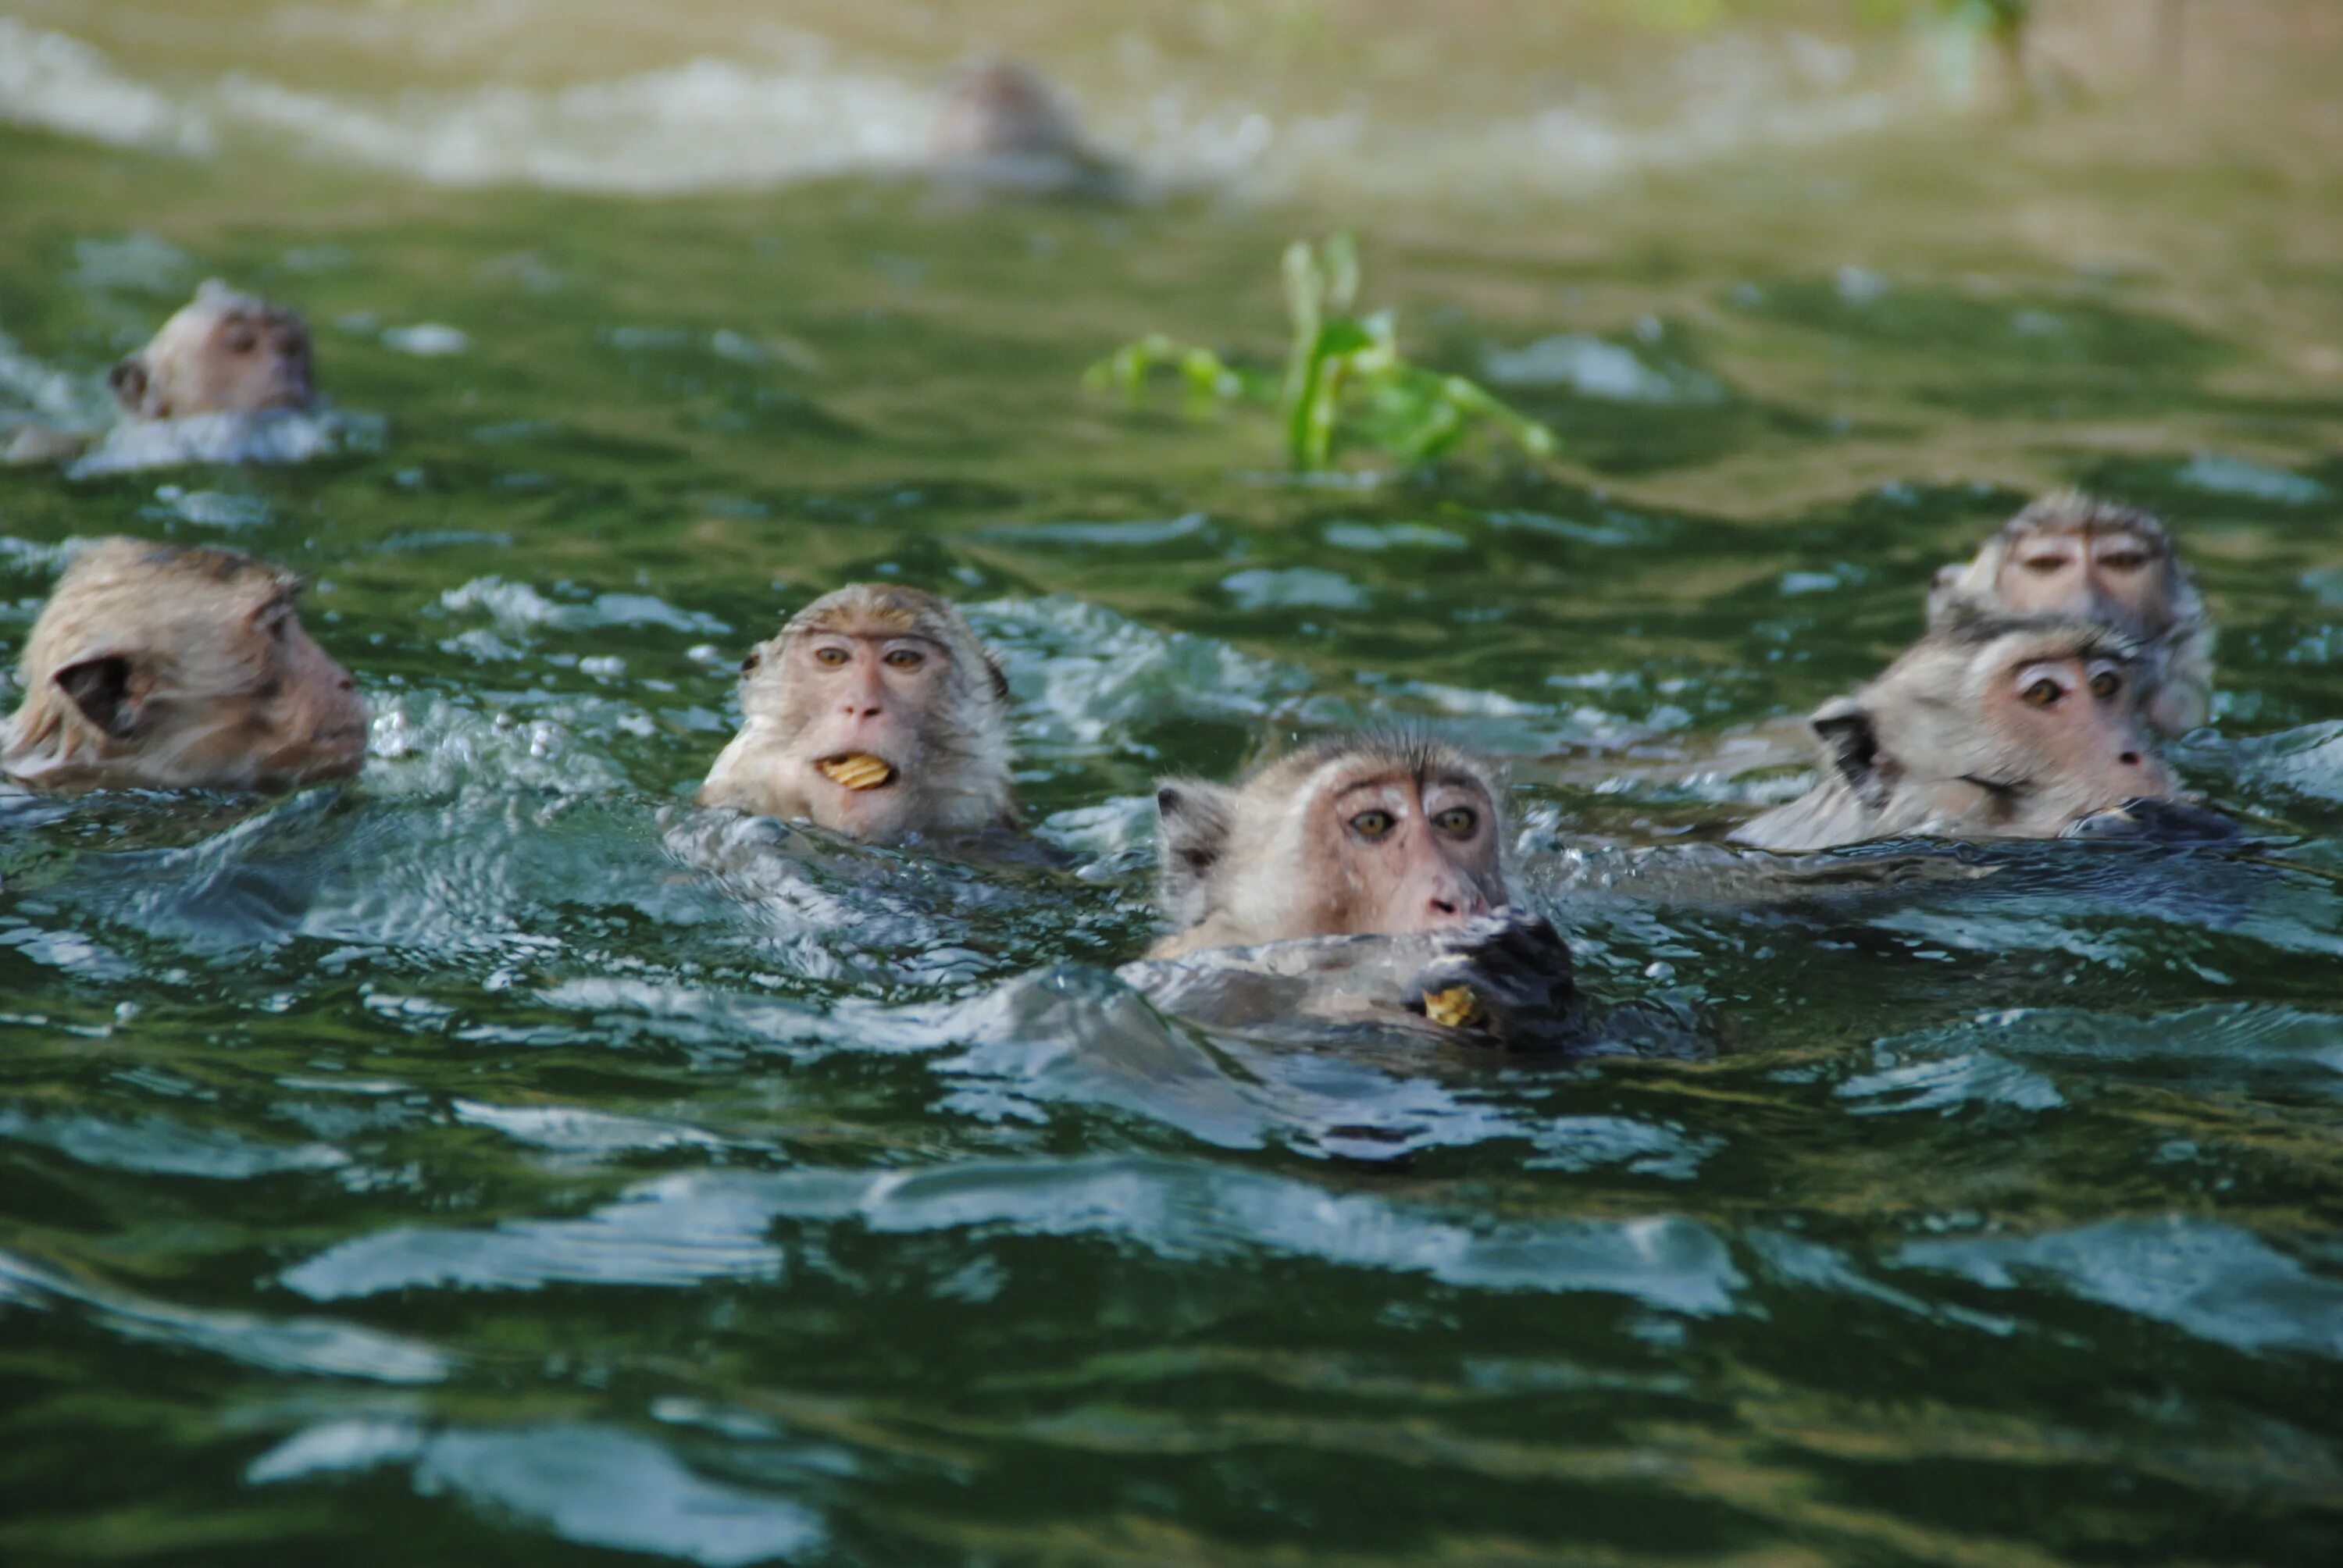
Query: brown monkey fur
point(2071, 554)
point(160, 666)
point(1003, 125)
point(1990, 725)
point(1352, 835)
point(224, 352)
point(872, 671)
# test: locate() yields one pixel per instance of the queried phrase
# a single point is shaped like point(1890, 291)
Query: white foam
point(60, 84)
point(273, 436)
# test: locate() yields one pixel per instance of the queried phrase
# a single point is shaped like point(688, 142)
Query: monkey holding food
point(875, 713)
point(1991, 725)
point(1362, 869)
point(2070, 554)
point(158, 667)
point(226, 358)
point(1002, 127)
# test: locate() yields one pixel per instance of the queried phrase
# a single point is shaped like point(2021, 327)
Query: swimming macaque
point(1003, 126)
point(1357, 871)
point(2069, 554)
point(224, 352)
point(1990, 726)
point(1357, 834)
point(875, 713)
point(158, 667)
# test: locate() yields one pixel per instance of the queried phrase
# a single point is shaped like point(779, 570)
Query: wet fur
point(145, 670)
point(1896, 751)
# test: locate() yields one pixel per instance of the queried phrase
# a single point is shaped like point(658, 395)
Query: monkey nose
point(1458, 903)
point(2129, 758)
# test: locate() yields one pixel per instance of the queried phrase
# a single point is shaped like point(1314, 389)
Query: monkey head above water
point(225, 352)
point(1352, 835)
point(1990, 725)
point(1359, 872)
point(1003, 126)
point(158, 667)
point(2069, 554)
point(875, 713)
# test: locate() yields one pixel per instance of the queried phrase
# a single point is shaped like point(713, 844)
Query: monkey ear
point(1851, 746)
point(128, 380)
point(757, 655)
point(1000, 676)
point(101, 688)
point(1193, 822)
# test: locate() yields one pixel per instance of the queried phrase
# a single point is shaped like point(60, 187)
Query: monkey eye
point(1372, 824)
point(1457, 822)
point(2044, 693)
point(242, 340)
point(2042, 566)
point(832, 656)
point(2104, 684)
point(2124, 560)
point(905, 658)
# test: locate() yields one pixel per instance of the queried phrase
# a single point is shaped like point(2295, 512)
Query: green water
point(454, 1168)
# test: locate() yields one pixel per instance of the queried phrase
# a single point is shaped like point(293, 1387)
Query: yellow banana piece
point(1456, 1007)
point(859, 772)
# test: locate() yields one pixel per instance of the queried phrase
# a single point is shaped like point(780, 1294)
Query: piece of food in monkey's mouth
point(858, 770)
point(1456, 1007)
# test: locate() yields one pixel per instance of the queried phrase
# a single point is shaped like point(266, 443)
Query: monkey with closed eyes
point(2073, 555)
point(1360, 876)
point(224, 352)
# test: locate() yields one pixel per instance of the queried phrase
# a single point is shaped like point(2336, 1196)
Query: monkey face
point(251, 360)
point(226, 353)
point(1399, 854)
point(2069, 739)
point(867, 700)
point(2114, 575)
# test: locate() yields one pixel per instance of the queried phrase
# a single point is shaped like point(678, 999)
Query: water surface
point(501, 1159)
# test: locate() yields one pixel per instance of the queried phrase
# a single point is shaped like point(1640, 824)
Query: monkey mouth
point(857, 771)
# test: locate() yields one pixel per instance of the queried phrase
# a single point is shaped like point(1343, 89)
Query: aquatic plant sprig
point(1344, 379)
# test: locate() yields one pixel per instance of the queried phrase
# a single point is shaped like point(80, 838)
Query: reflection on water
point(503, 1156)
